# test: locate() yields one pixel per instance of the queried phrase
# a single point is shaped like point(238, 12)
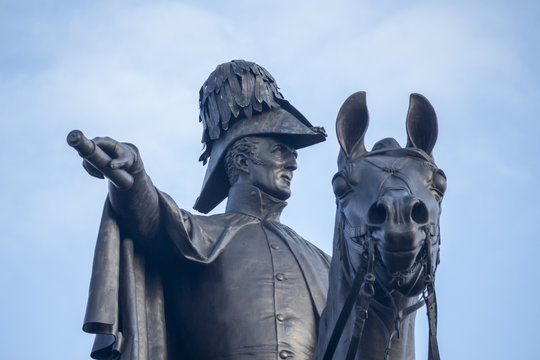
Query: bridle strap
point(399, 316)
point(359, 282)
point(431, 301)
point(343, 317)
point(363, 302)
point(433, 350)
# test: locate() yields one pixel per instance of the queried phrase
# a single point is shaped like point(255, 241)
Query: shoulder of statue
point(305, 242)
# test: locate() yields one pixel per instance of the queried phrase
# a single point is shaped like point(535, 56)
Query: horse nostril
point(419, 212)
point(377, 213)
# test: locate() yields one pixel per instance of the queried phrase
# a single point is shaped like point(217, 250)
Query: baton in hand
point(92, 153)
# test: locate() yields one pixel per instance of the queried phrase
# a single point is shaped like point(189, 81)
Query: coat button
point(274, 246)
point(280, 276)
point(280, 317)
point(283, 354)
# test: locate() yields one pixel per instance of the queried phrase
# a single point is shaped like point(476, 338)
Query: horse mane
point(390, 146)
point(386, 144)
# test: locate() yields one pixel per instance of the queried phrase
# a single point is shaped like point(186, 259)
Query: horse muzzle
point(397, 227)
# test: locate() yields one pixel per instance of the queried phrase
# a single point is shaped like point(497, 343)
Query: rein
point(361, 288)
point(362, 293)
point(431, 301)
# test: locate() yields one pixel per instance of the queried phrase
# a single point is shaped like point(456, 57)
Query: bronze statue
point(386, 243)
point(167, 284)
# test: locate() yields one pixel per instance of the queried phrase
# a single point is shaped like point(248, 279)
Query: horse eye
point(439, 182)
point(341, 186)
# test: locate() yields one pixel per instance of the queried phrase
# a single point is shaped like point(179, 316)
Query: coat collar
point(249, 200)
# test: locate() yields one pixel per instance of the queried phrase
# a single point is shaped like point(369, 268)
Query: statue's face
point(272, 167)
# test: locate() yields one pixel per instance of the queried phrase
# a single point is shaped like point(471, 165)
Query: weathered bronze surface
point(386, 247)
point(168, 284)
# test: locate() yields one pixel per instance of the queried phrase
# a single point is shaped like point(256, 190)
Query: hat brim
point(277, 123)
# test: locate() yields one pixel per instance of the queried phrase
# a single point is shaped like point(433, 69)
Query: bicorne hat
point(239, 99)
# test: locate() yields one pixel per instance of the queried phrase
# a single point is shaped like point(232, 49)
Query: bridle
point(362, 290)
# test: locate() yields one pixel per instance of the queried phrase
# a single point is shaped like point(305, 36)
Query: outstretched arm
point(132, 194)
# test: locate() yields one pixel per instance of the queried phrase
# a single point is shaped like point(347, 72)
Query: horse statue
point(386, 241)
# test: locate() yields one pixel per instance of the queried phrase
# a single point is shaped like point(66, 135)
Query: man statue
point(167, 284)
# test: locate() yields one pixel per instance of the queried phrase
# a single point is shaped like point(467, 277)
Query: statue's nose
point(290, 163)
point(398, 210)
point(398, 221)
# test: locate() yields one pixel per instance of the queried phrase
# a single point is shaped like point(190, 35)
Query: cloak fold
point(125, 306)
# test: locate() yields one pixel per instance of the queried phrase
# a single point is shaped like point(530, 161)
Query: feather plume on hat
point(235, 90)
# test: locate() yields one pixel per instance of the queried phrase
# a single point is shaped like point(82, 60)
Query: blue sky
point(132, 71)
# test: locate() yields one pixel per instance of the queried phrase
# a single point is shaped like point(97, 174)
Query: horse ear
point(351, 124)
point(422, 128)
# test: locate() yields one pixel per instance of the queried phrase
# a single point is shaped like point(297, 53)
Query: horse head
point(387, 227)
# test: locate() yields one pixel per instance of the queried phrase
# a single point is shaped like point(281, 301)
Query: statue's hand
point(123, 156)
point(131, 193)
point(105, 157)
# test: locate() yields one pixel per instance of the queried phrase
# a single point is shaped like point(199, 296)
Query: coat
point(172, 299)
